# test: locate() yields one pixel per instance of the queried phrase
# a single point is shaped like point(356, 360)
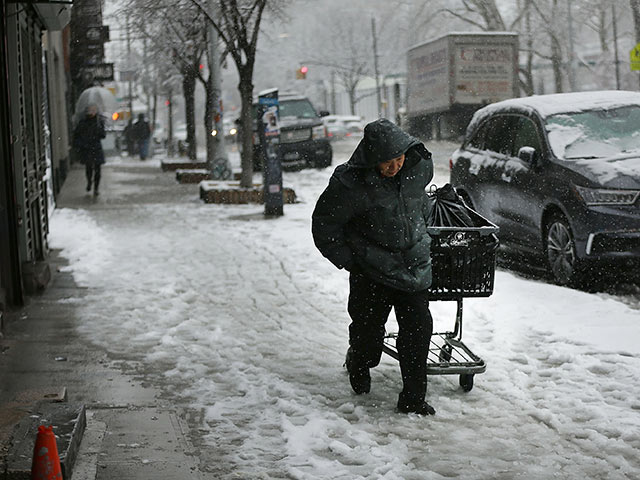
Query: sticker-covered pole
point(269, 132)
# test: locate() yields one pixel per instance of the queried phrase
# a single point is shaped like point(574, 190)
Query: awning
point(55, 15)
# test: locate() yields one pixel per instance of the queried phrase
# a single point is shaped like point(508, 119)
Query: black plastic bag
point(447, 209)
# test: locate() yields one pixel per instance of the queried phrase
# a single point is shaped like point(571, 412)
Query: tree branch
point(463, 18)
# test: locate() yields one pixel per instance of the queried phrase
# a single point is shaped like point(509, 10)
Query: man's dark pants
point(369, 306)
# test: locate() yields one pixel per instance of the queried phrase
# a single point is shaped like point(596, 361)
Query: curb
point(68, 421)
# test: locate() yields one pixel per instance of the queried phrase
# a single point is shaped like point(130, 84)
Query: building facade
point(34, 139)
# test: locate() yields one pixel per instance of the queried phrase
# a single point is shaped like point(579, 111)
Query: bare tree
point(484, 14)
point(211, 110)
point(554, 23)
point(596, 17)
point(526, 74)
point(344, 45)
point(347, 51)
point(176, 28)
point(238, 25)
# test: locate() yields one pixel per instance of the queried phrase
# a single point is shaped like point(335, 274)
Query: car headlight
point(601, 196)
point(318, 132)
point(233, 131)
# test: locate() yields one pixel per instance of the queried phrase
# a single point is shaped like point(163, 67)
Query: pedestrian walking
point(370, 220)
point(87, 141)
point(142, 134)
point(127, 134)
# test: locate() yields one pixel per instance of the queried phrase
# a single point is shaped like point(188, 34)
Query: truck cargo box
point(452, 76)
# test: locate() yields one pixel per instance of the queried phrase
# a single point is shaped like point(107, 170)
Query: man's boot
point(359, 376)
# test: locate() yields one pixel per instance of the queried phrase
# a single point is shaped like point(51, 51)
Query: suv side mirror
point(528, 155)
point(324, 113)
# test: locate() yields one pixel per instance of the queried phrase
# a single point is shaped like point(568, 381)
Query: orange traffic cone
point(46, 462)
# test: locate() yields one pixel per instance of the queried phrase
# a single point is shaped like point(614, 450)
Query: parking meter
point(269, 133)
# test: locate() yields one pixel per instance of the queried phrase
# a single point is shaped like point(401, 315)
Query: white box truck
point(451, 77)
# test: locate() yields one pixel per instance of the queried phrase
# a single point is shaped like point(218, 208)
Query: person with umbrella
point(87, 141)
point(370, 220)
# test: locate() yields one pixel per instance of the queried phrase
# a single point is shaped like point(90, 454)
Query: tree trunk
point(352, 99)
point(170, 144)
point(208, 120)
point(246, 122)
point(556, 62)
point(527, 84)
point(188, 90)
point(490, 14)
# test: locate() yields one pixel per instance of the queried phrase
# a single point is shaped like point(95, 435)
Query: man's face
point(92, 110)
point(391, 167)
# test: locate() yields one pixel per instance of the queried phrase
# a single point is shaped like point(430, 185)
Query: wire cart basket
point(463, 261)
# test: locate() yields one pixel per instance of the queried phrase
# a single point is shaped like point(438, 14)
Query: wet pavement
point(131, 432)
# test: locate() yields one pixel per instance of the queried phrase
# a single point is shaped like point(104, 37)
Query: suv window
point(525, 135)
point(499, 136)
point(297, 108)
point(477, 141)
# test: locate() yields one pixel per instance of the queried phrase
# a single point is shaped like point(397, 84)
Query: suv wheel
point(561, 250)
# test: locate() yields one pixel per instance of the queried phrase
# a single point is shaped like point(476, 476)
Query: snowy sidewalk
point(242, 326)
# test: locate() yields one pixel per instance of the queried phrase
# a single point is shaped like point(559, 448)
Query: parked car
point(560, 175)
point(303, 136)
point(354, 126)
point(336, 129)
point(341, 126)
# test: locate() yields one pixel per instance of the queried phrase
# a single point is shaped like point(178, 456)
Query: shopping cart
point(463, 261)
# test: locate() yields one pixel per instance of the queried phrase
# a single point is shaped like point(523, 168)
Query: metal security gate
point(26, 80)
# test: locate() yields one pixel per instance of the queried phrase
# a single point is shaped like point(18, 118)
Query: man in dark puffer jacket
point(370, 221)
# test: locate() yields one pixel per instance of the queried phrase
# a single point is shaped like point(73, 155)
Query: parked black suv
point(560, 175)
point(303, 136)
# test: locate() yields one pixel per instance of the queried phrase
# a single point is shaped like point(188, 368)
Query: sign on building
point(100, 71)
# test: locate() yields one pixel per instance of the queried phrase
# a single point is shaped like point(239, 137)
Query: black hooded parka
point(375, 225)
point(87, 138)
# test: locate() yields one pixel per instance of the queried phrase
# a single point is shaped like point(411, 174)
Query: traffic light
point(301, 73)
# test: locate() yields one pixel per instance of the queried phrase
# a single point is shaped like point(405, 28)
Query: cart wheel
point(466, 381)
point(445, 353)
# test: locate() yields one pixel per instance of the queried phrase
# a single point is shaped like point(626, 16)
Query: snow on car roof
point(555, 103)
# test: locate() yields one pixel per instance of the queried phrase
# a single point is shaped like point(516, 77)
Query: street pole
point(146, 77)
point(375, 66)
point(129, 70)
point(220, 169)
point(615, 44)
